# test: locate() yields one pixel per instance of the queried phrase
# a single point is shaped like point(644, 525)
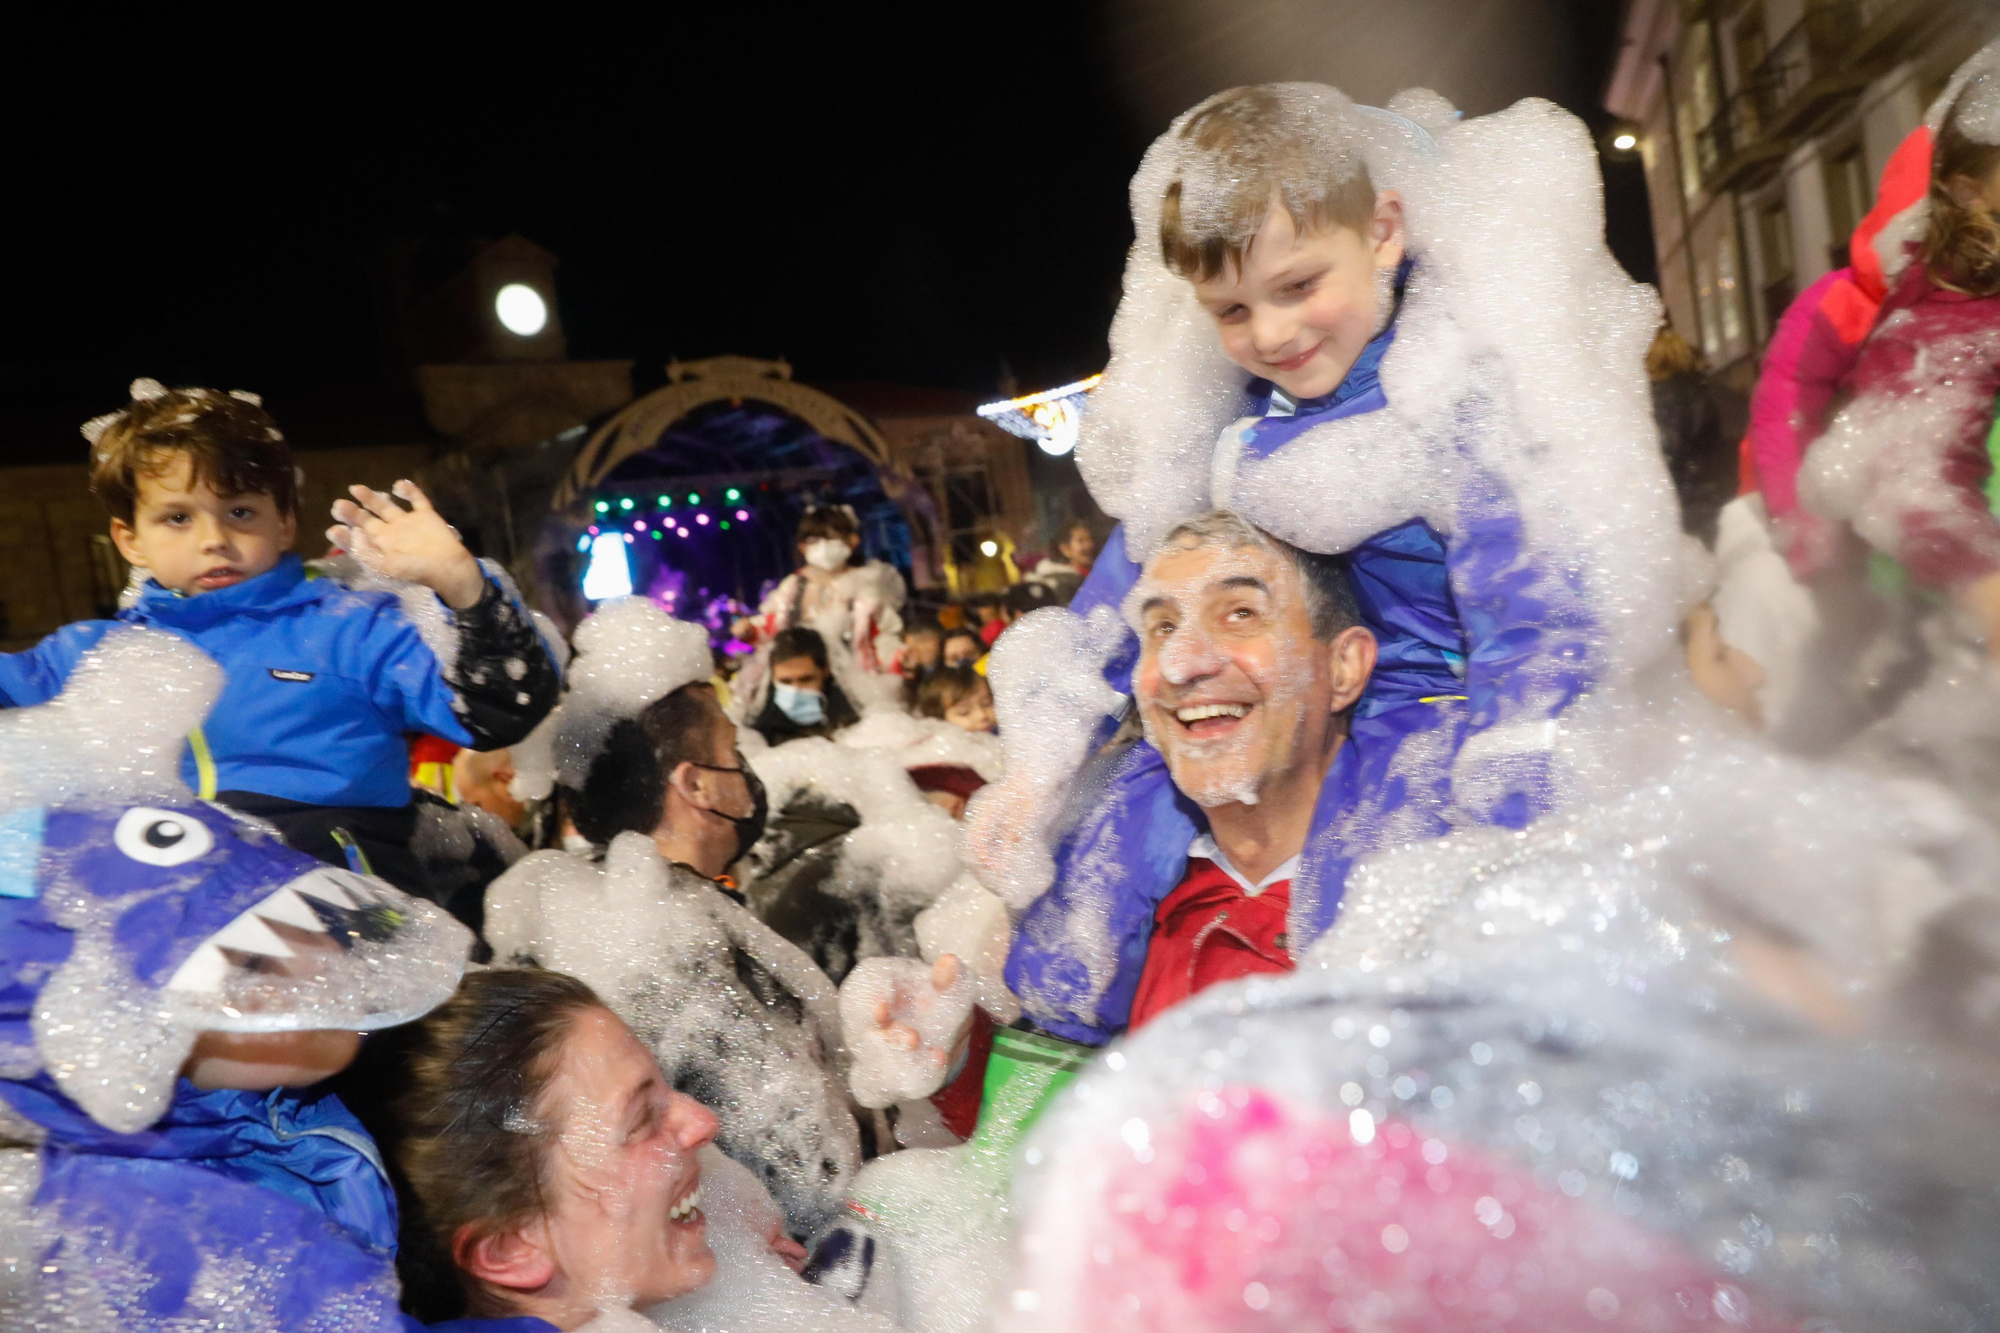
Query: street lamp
point(1624, 141)
point(520, 309)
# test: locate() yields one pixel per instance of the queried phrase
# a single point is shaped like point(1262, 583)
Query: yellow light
point(1625, 141)
point(989, 548)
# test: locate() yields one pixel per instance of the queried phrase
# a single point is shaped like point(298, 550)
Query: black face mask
point(750, 827)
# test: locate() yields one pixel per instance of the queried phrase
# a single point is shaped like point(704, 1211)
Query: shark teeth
point(250, 932)
point(1202, 712)
point(687, 1207)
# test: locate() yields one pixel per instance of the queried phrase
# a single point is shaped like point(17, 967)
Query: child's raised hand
point(904, 1022)
point(415, 544)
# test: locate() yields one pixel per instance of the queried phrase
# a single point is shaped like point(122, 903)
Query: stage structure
point(690, 493)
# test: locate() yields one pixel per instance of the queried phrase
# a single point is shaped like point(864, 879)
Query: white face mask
point(828, 553)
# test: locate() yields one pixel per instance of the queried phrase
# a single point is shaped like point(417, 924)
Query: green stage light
point(693, 499)
point(733, 495)
point(626, 503)
point(603, 507)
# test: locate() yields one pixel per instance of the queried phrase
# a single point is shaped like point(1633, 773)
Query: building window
point(1774, 244)
point(1728, 292)
point(1704, 297)
point(1847, 200)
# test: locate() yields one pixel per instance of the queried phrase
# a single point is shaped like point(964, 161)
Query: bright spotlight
point(521, 309)
point(1625, 141)
point(989, 548)
point(610, 571)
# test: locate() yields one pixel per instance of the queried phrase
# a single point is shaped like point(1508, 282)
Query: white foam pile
point(1882, 459)
point(1974, 90)
point(971, 925)
point(753, 1291)
point(627, 654)
point(905, 852)
point(918, 741)
point(1050, 695)
point(902, 1026)
point(661, 946)
point(1594, 1075)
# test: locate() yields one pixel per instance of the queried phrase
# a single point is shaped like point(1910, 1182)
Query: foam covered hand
point(414, 544)
point(904, 1021)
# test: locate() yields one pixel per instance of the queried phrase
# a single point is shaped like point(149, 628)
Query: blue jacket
point(1472, 637)
point(321, 683)
point(287, 1186)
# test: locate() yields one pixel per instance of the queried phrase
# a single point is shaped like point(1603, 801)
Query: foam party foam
point(906, 993)
point(662, 946)
point(898, 860)
point(753, 1291)
point(1049, 691)
point(627, 654)
point(920, 741)
point(971, 925)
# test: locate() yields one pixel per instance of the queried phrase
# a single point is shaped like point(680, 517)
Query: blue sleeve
point(1529, 653)
point(1080, 947)
point(405, 679)
point(38, 674)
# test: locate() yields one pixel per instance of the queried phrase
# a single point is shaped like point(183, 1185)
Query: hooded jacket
point(323, 681)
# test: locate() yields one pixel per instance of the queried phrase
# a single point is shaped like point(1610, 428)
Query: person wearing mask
point(859, 606)
point(805, 699)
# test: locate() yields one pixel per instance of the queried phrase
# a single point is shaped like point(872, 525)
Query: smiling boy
point(323, 681)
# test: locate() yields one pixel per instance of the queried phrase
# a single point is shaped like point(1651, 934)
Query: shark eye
point(161, 837)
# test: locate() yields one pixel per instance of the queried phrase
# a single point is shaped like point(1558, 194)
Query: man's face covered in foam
point(625, 1226)
point(1232, 688)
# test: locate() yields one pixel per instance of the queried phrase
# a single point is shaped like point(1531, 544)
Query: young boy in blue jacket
point(323, 681)
point(1270, 283)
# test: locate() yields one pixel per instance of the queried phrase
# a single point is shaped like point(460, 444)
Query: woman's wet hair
point(454, 1101)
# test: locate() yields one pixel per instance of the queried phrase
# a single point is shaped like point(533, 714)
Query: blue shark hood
point(134, 917)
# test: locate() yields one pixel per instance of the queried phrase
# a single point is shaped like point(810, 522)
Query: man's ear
point(127, 542)
point(1385, 230)
point(515, 1260)
point(686, 779)
point(1352, 653)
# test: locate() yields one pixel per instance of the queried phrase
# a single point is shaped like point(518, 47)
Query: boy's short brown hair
point(229, 439)
point(1298, 141)
point(946, 687)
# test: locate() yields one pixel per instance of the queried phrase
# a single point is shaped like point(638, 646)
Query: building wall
point(1759, 235)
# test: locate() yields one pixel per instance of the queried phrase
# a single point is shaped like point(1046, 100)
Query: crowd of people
point(1347, 831)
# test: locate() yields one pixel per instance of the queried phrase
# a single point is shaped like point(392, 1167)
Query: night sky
point(933, 200)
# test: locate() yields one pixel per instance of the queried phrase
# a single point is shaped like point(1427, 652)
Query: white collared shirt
point(1204, 847)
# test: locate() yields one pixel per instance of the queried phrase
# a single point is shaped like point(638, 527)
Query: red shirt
point(1208, 930)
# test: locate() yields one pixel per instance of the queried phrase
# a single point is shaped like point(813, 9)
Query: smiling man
point(1291, 726)
point(1251, 658)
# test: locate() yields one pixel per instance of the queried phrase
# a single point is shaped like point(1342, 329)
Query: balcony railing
point(1736, 149)
point(1812, 69)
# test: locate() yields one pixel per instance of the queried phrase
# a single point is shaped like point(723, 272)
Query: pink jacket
point(1925, 385)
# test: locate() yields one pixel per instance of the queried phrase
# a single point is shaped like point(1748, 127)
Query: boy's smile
point(1303, 305)
point(194, 540)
